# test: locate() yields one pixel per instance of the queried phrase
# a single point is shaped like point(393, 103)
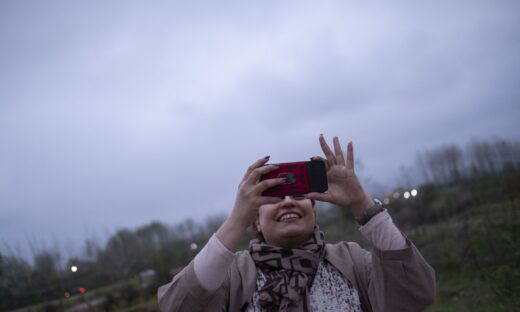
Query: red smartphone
point(301, 178)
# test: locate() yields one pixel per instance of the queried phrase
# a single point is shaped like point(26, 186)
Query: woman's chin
point(292, 235)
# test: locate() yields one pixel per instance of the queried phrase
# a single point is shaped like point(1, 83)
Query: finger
point(260, 162)
point(319, 158)
point(255, 175)
point(331, 160)
point(267, 184)
point(337, 150)
point(350, 155)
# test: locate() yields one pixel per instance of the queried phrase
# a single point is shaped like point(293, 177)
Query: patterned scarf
point(289, 271)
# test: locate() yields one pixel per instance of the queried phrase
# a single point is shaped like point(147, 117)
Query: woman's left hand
point(344, 187)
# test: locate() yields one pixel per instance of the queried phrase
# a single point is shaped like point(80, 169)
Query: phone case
point(301, 178)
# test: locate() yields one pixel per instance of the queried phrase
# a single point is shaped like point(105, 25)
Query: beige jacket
point(391, 280)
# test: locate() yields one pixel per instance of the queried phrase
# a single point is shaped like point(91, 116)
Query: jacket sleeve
point(185, 293)
point(399, 280)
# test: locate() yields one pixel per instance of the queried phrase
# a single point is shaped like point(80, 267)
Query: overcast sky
point(117, 113)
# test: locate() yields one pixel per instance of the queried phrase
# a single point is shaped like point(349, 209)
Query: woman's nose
point(288, 199)
point(296, 197)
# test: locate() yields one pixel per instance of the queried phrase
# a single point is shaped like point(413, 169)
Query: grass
point(476, 258)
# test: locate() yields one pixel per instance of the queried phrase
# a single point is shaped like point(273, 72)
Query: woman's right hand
point(248, 200)
point(249, 196)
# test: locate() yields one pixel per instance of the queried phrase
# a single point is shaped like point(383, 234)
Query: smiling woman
point(287, 223)
point(289, 267)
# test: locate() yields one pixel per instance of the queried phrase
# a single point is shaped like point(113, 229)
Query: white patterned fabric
point(330, 292)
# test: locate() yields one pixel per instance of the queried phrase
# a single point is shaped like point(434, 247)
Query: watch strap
point(370, 213)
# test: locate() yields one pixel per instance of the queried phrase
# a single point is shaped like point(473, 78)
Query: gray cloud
point(117, 114)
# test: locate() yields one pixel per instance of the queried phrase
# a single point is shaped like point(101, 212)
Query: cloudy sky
point(117, 113)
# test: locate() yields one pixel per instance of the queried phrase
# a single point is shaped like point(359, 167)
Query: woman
point(289, 267)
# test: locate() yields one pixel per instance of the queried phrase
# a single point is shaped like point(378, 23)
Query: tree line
point(451, 164)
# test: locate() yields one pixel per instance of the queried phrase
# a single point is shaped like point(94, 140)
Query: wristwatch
point(369, 213)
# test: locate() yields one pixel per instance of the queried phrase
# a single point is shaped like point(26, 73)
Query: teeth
point(289, 216)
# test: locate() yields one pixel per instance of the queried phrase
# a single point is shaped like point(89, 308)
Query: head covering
point(289, 272)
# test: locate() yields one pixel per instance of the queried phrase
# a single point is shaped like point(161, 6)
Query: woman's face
point(287, 223)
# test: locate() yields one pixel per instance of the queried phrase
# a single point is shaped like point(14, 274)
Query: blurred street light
point(414, 192)
point(406, 195)
point(74, 268)
point(193, 246)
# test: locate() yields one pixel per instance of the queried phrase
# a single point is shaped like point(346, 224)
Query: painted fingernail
point(267, 157)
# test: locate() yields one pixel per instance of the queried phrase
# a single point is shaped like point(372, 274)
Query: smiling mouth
point(289, 217)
